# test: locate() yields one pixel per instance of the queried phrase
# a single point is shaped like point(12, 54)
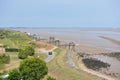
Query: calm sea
point(82, 36)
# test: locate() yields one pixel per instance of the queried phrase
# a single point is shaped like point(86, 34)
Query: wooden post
point(51, 39)
point(57, 42)
point(72, 45)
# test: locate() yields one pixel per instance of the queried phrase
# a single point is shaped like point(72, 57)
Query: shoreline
point(91, 50)
point(75, 61)
point(93, 72)
point(97, 52)
point(94, 50)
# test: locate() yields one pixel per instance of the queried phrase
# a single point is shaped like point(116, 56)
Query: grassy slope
point(61, 71)
point(41, 55)
point(14, 39)
point(7, 42)
point(14, 61)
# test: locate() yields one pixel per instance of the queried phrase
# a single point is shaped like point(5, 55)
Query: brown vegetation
point(44, 45)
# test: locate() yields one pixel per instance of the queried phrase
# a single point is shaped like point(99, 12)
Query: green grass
point(14, 39)
point(14, 62)
point(61, 71)
point(18, 38)
point(7, 42)
point(41, 55)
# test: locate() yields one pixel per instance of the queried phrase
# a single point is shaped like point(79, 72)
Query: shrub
point(33, 69)
point(50, 78)
point(22, 54)
point(30, 50)
point(0, 78)
point(14, 75)
point(11, 50)
point(26, 51)
point(4, 59)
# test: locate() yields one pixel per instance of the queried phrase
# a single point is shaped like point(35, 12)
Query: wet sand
point(91, 49)
point(111, 39)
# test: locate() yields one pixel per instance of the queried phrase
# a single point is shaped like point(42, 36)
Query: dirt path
point(69, 59)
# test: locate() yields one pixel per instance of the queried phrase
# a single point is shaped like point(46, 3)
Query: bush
point(30, 50)
point(33, 69)
point(12, 50)
point(14, 75)
point(50, 78)
point(26, 51)
point(5, 59)
point(22, 54)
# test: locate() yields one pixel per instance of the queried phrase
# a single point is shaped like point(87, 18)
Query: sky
point(59, 13)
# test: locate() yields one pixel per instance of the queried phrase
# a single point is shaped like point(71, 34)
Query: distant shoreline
point(82, 28)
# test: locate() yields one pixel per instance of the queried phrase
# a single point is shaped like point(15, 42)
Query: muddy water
point(115, 64)
point(81, 36)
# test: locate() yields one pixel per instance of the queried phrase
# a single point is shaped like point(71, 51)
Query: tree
point(22, 54)
point(30, 50)
point(33, 69)
point(25, 51)
point(50, 78)
point(14, 75)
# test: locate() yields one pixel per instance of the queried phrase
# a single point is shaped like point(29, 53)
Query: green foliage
point(2, 34)
point(25, 51)
point(50, 78)
point(33, 69)
point(5, 59)
point(11, 49)
point(33, 44)
point(14, 75)
point(0, 78)
point(22, 54)
point(8, 43)
point(30, 50)
point(1, 65)
point(19, 38)
point(16, 39)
